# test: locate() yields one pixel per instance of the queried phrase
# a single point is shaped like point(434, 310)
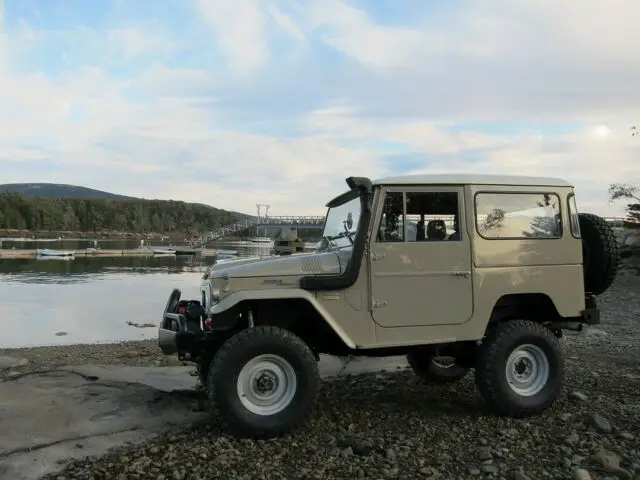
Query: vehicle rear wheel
point(520, 368)
point(263, 382)
point(433, 368)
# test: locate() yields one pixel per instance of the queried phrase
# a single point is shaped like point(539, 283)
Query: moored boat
point(47, 252)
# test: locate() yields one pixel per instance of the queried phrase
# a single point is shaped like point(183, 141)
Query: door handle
point(377, 256)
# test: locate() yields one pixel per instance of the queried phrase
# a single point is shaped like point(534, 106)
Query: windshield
point(335, 233)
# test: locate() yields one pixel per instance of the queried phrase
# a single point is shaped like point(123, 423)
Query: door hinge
point(379, 303)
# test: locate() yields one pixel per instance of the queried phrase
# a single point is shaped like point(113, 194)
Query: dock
point(106, 252)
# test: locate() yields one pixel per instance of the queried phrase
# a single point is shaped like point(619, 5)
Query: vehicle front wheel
point(263, 382)
point(520, 368)
point(435, 369)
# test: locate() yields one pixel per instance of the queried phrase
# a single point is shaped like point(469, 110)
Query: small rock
point(566, 417)
point(429, 472)
point(390, 454)
point(581, 474)
point(485, 454)
point(622, 474)
point(579, 396)
point(577, 459)
point(520, 475)
point(474, 472)
point(607, 460)
point(626, 435)
point(572, 439)
point(600, 423)
point(490, 469)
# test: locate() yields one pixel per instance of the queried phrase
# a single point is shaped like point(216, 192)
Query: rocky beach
point(388, 425)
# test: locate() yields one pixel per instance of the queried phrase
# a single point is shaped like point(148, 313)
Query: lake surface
point(91, 299)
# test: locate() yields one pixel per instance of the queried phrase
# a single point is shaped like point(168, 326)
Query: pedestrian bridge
point(277, 222)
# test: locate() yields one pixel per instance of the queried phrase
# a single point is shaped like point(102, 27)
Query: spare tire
point(600, 253)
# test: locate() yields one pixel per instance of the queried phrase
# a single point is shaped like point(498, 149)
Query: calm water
point(92, 298)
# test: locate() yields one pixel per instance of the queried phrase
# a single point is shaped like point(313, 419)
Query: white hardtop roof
point(472, 179)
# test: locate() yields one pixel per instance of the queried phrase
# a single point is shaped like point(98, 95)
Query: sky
point(237, 102)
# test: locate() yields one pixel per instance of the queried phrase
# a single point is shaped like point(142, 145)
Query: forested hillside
point(57, 190)
point(95, 215)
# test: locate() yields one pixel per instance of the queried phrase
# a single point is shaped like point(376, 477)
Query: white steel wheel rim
point(267, 384)
point(527, 370)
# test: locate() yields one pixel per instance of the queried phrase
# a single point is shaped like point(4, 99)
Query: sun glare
point(601, 131)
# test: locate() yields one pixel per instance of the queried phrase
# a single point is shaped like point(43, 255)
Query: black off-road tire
point(422, 364)
point(227, 364)
point(600, 253)
point(490, 372)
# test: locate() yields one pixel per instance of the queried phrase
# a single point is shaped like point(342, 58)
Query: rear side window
point(574, 221)
point(518, 215)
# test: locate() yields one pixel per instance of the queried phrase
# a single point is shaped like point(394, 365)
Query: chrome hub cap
point(266, 384)
point(527, 370)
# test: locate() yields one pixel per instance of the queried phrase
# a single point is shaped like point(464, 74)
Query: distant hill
point(60, 207)
point(58, 190)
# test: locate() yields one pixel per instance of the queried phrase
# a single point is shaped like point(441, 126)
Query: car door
point(420, 274)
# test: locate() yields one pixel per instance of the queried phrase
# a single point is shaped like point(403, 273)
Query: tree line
point(99, 215)
point(629, 192)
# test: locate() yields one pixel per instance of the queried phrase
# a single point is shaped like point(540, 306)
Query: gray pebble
point(581, 474)
point(600, 423)
point(579, 396)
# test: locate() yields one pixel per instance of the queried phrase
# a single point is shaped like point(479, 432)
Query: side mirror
point(349, 222)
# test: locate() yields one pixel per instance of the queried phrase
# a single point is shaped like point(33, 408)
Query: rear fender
point(234, 299)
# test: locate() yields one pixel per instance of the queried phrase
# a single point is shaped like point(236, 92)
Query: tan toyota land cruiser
point(485, 271)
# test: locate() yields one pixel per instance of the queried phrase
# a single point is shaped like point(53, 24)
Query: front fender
point(233, 299)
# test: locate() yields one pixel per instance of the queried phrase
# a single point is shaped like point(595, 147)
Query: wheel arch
point(535, 306)
point(268, 305)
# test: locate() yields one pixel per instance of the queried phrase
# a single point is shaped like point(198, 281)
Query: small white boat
point(46, 252)
point(261, 240)
point(227, 252)
point(163, 251)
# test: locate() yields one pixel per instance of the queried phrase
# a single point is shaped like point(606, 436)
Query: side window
point(432, 216)
point(574, 220)
point(518, 215)
point(391, 227)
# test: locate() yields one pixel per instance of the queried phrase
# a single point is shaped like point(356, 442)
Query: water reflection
point(85, 269)
point(93, 299)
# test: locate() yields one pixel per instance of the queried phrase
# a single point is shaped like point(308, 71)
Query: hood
point(324, 263)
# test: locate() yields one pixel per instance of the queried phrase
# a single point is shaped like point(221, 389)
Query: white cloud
point(133, 42)
point(178, 131)
point(489, 59)
point(239, 26)
point(286, 23)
